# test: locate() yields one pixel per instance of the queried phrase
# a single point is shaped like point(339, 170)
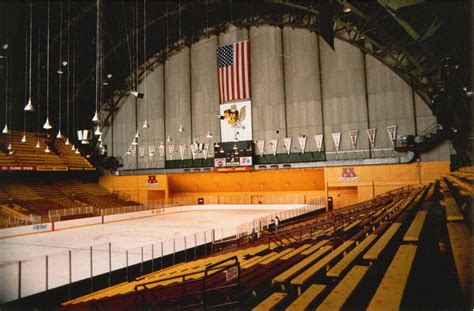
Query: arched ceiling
point(426, 43)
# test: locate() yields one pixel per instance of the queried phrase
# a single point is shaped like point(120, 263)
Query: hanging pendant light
point(47, 125)
point(5, 129)
point(209, 134)
point(60, 71)
point(101, 145)
point(181, 128)
point(134, 142)
point(11, 152)
point(100, 138)
point(97, 131)
point(59, 135)
point(38, 145)
point(67, 143)
point(9, 147)
point(29, 107)
point(47, 149)
point(145, 125)
point(73, 147)
point(95, 118)
point(235, 147)
point(64, 62)
point(77, 151)
point(137, 135)
point(23, 139)
point(168, 139)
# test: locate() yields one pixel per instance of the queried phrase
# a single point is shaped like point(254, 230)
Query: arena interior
point(235, 155)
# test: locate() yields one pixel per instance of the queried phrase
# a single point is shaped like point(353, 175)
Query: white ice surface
point(128, 235)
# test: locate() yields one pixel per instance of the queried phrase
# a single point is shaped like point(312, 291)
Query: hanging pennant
point(336, 138)
point(171, 151)
point(287, 143)
point(371, 134)
point(182, 151)
point(392, 133)
point(205, 151)
point(302, 141)
point(319, 141)
point(141, 151)
point(261, 146)
point(161, 150)
point(151, 150)
point(194, 147)
point(274, 145)
point(353, 134)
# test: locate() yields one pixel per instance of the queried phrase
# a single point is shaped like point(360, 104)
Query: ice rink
point(159, 235)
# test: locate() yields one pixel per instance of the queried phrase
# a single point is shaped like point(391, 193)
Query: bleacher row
point(27, 153)
point(39, 197)
point(359, 257)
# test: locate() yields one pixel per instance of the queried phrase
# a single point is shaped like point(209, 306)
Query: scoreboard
point(233, 154)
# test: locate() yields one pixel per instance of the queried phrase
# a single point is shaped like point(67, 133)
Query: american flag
point(233, 65)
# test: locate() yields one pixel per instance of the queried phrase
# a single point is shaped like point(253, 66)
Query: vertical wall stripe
point(164, 112)
point(364, 62)
point(284, 82)
point(414, 110)
point(190, 98)
point(321, 91)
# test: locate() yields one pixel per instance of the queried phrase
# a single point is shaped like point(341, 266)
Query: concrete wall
point(300, 86)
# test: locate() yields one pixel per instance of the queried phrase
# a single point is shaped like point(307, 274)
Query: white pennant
point(151, 150)
point(171, 151)
point(319, 141)
point(161, 150)
point(182, 151)
point(353, 134)
point(274, 144)
point(194, 147)
point(141, 151)
point(261, 146)
point(371, 134)
point(392, 133)
point(302, 141)
point(336, 138)
point(287, 143)
point(205, 150)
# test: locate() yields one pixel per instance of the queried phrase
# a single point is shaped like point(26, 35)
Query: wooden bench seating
point(339, 295)
point(413, 232)
point(389, 293)
point(374, 252)
point(305, 299)
point(323, 263)
point(460, 242)
point(452, 211)
point(287, 274)
point(351, 256)
point(271, 302)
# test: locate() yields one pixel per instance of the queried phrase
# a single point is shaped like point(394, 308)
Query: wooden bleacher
point(326, 269)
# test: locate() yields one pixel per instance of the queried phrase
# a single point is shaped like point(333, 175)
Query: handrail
point(216, 267)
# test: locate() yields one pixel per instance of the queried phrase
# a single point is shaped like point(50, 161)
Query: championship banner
point(287, 143)
point(274, 145)
point(261, 146)
point(171, 151)
point(302, 141)
point(141, 151)
point(392, 133)
point(161, 149)
point(205, 151)
point(371, 134)
point(182, 151)
point(353, 134)
point(236, 121)
point(319, 141)
point(151, 151)
point(336, 138)
point(194, 147)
